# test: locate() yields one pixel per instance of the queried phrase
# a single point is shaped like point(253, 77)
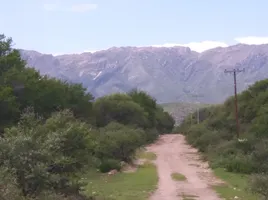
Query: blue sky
point(74, 26)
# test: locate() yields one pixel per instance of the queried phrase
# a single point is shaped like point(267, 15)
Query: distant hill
point(180, 110)
point(169, 74)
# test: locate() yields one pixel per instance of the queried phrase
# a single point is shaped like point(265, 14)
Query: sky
point(76, 26)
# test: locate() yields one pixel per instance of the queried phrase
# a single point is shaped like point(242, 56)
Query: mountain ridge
point(167, 73)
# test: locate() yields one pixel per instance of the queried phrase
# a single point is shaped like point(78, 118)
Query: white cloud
point(206, 45)
point(71, 8)
point(201, 46)
point(252, 40)
point(83, 7)
point(197, 46)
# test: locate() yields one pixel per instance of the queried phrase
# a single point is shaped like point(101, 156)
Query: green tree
point(46, 156)
point(147, 103)
point(119, 108)
point(119, 142)
point(164, 121)
point(9, 108)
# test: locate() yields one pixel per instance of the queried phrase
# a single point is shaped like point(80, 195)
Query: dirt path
point(174, 155)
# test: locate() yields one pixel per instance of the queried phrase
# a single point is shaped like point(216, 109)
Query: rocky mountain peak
point(170, 74)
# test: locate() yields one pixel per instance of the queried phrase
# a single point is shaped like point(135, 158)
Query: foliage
point(259, 185)
point(179, 111)
point(216, 134)
point(52, 131)
point(119, 142)
point(41, 155)
point(130, 186)
point(119, 108)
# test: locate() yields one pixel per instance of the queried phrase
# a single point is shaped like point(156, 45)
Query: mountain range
point(173, 74)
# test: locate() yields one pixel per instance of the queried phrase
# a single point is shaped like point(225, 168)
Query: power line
point(197, 96)
point(235, 71)
point(197, 113)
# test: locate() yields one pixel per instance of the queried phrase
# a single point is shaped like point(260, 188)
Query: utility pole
point(191, 94)
point(197, 113)
point(234, 72)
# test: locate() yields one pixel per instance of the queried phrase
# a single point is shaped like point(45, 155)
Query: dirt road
point(175, 156)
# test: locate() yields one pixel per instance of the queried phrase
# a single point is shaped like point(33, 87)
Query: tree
point(119, 142)
point(9, 108)
point(9, 58)
point(119, 108)
point(147, 103)
point(46, 157)
point(164, 121)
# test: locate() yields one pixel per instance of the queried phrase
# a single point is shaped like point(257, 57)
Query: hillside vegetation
point(52, 132)
point(215, 136)
point(167, 73)
point(180, 110)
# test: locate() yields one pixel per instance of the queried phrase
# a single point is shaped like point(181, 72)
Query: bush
point(108, 165)
point(210, 138)
point(119, 144)
point(240, 164)
point(51, 131)
point(259, 184)
point(119, 108)
point(195, 132)
point(41, 155)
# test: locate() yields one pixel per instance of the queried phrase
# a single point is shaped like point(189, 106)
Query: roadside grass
point(121, 186)
point(188, 196)
point(146, 155)
point(178, 177)
point(236, 185)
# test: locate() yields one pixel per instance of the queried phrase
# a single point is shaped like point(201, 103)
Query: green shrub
point(108, 165)
point(260, 156)
point(195, 132)
point(150, 135)
point(120, 143)
point(61, 132)
point(216, 133)
point(42, 155)
point(239, 164)
point(258, 184)
point(209, 138)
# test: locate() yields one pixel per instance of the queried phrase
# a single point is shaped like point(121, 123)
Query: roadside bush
point(107, 165)
point(119, 144)
point(41, 156)
point(194, 133)
point(164, 121)
point(150, 135)
point(259, 184)
point(209, 138)
point(239, 163)
point(52, 131)
point(216, 135)
point(8, 186)
point(260, 156)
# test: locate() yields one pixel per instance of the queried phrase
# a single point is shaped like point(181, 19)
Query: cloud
point(72, 8)
point(252, 40)
point(197, 46)
point(203, 45)
point(83, 7)
point(208, 44)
